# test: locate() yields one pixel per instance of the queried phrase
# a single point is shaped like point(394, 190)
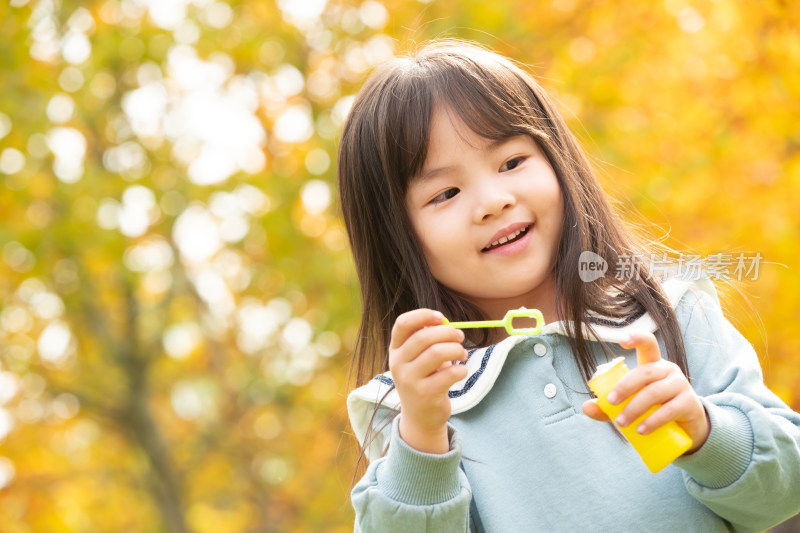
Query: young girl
point(465, 195)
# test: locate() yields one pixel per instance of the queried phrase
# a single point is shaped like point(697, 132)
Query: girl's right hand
point(421, 352)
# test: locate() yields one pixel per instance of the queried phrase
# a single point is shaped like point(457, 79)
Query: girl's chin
point(511, 290)
point(499, 303)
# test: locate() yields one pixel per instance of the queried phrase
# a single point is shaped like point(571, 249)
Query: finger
point(647, 350)
point(593, 411)
point(687, 410)
point(434, 357)
point(464, 357)
point(636, 379)
point(442, 380)
point(659, 392)
point(668, 411)
point(423, 339)
point(412, 321)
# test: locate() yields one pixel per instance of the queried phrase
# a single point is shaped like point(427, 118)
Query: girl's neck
point(542, 298)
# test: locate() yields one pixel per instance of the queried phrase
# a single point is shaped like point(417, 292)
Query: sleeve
point(410, 491)
point(748, 471)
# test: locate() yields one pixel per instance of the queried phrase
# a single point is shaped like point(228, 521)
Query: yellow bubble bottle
point(657, 449)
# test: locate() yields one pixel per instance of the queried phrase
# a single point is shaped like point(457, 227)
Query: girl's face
point(489, 216)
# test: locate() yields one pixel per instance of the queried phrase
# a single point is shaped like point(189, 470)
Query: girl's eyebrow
point(491, 146)
point(434, 171)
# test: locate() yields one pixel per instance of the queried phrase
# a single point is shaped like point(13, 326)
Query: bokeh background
point(177, 299)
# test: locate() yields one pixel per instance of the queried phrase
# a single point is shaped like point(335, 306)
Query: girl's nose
point(492, 201)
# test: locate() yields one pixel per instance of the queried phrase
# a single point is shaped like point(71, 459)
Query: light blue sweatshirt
point(524, 458)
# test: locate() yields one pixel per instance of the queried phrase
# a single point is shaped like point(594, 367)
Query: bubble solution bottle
point(657, 449)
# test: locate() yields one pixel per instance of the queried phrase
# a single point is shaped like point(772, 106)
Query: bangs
point(492, 97)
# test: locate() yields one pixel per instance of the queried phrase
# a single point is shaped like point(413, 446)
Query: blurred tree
point(177, 301)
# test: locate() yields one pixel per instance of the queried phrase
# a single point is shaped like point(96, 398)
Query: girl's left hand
point(656, 381)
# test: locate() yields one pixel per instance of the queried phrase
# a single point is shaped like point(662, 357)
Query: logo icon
point(591, 266)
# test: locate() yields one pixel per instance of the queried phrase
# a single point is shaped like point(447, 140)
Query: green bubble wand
point(507, 322)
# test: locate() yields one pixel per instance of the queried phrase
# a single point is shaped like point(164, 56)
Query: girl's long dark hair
point(384, 145)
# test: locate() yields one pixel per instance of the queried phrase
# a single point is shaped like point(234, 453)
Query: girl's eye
point(511, 164)
point(446, 195)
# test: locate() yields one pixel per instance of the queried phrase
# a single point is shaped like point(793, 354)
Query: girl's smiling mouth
point(509, 240)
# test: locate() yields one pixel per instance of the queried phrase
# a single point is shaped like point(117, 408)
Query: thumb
point(592, 410)
point(647, 350)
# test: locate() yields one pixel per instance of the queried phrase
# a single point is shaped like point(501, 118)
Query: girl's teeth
point(504, 240)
